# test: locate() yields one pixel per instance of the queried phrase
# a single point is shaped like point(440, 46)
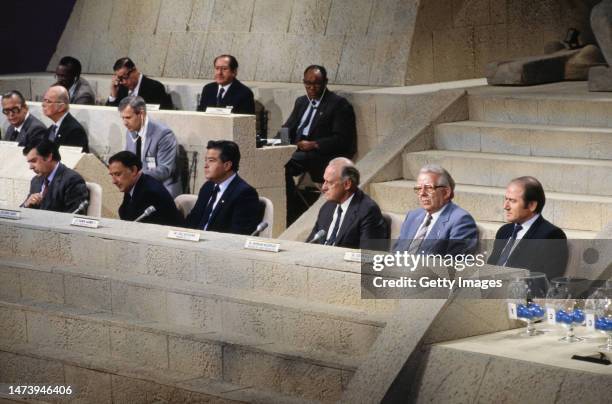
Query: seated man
point(152, 142)
point(226, 203)
point(55, 186)
point(25, 128)
point(65, 131)
point(141, 191)
point(68, 75)
point(438, 226)
point(529, 241)
point(350, 218)
point(128, 81)
point(322, 125)
point(227, 90)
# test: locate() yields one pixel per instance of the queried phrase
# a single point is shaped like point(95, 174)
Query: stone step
point(568, 211)
point(302, 325)
point(99, 379)
point(542, 108)
point(525, 139)
point(160, 347)
point(575, 176)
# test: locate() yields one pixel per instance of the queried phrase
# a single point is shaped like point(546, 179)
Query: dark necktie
point(139, 148)
point(420, 236)
point(220, 96)
point(332, 239)
point(52, 130)
point(306, 121)
point(15, 135)
point(505, 254)
point(209, 207)
point(46, 190)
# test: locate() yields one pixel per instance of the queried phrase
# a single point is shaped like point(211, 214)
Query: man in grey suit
point(68, 75)
point(25, 128)
point(438, 226)
point(152, 142)
point(55, 186)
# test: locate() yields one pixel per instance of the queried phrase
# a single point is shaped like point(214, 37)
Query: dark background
point(29, 33)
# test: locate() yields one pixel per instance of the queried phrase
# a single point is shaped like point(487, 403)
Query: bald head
point(56, 102)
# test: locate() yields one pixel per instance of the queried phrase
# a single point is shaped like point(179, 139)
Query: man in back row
point(227, 90)
point(68, 75)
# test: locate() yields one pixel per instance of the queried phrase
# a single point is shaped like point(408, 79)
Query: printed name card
point(153, 107)
point(220, 111)
point(358, 256)
point(84, 222)
point(253, 244)
point(512, 311)
point(184, 235)
point(10, 214)
point(551, 315)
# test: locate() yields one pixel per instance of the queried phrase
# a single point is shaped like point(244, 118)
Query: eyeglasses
point(14, 110)
point(48, 101)
point(125, 76)
point(313, 83)
point(428, 188)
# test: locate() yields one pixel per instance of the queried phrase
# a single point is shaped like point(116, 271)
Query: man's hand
point(114, 86)
point(33, 200)
point(307, 145)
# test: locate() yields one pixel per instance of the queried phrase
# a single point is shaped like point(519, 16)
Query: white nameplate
point(184, 235)
point(358, 256)
point(252, 244)
point(10, 214)
point(220, 111)
point(550, 315)
point(512, 311)
point(590, 322)
point(83, 222)
point(153, 107)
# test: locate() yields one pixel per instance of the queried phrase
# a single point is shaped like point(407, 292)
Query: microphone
point(260, 227)
point(318, 236)
point(148, 212)
point(81, 207)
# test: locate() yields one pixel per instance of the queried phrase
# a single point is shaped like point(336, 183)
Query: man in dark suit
point(65, 131)
point(141, 191)
point(226, 203)
point(153, 142)
point(128, 80)
point(529, 241)
point(55, 186)
point(25, 128)
point(322, 126)
point(68, 75)
point(227, 90)
point(350, 218)
point(438, 226)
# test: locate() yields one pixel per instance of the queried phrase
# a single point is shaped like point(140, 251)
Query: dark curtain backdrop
point(29, 33)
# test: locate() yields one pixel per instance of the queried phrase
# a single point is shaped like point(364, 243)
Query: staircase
point(564, 139)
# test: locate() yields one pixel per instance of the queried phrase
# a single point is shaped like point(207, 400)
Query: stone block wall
point(361, 42)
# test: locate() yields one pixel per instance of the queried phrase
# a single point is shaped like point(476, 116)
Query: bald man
point(65, 129)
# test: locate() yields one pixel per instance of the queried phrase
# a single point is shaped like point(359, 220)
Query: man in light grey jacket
point(152, 142)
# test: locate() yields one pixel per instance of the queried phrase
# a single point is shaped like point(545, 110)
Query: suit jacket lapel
point(224, 197)
point(148, 139)
point(318, 113)
point(351, 212)
point(440, 223)
point(53, 187)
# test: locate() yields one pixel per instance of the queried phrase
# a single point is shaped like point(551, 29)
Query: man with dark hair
point(227, 90)
point(439, 226)
point(226, 203)
point(141, 191)
point(68, 75)
point(152, 142)
point(65, 131)
point(25, 128)
point(322, 126)
point(55, 186)
point(128, 81)
point(529, 241)
point(350, 218)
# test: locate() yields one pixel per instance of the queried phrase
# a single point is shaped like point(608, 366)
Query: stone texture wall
point(365, 42)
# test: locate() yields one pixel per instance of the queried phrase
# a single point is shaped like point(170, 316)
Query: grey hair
point(62, 94)
point(348, 171)
point(445, 178)
point(136, 102)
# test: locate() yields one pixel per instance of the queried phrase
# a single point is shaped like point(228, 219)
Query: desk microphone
point(81, 207)
point(260, 227)
point(148, 212)
point(318, 236)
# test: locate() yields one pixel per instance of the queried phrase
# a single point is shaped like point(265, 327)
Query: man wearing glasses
point(25, 128)
point(322, 126)
point(128, 81)
point(438, 226)
point(65, 130)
